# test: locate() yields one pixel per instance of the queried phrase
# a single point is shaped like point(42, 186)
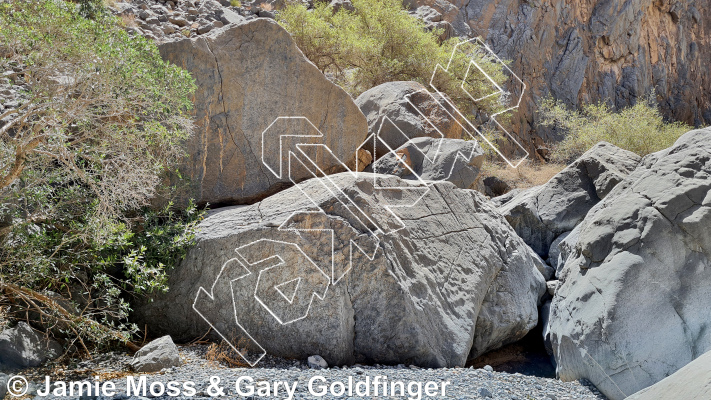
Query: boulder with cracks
point(632, 306)
point(444, 278)
point(249, 74)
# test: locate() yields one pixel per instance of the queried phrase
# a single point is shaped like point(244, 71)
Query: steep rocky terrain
point(595, 50)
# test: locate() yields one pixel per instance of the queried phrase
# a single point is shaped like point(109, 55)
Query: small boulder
point(317, 362)
point(157, 355)
point(554, 253)
point(399, 111)
point(338, 4)
point(23, 347)
point(454, 160)
point(552, 286)
point(180, 21)
point(205, 28)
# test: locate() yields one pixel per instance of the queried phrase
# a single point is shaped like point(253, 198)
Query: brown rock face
point(596, 50)
point(247, 76)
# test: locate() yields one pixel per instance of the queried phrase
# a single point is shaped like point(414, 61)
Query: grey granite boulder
point(691, 382)
point(539, 215)
point(453, 160)
point(399, 111)
point(23, 347)
point(632, 306)
point(157, 355)
point(386, 271)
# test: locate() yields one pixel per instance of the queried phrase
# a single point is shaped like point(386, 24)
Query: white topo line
point(306, 163)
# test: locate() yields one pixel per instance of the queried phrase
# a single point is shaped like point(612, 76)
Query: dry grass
point(527, 175)
point(224, 354)
point(266, 7)
point(4, 317)
point(128, 20)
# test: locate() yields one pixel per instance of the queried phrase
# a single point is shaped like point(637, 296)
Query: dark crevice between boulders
point(527, 356)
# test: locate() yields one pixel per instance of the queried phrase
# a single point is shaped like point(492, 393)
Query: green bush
point(639, 128)
point(102, 120)
point(380, 42)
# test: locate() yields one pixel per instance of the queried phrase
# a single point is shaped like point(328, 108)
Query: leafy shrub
point(235, 3)
point(380, 42)
point(102, 119)
point(639, 128)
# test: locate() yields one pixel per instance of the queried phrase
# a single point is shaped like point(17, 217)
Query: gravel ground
point(464, 383)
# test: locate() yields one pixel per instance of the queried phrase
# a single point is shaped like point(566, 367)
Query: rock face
point(590, 50)
point(156, 355)
point(247, 76)
point(444, 278)
point(398, 111)
point(22, 347)
point(540, 214)
point(453, 160)
point(632, 306)
point(691, 382)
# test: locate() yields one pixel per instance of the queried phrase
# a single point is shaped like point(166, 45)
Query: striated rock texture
point(596, 50)
point(449, 280)
point(247, 75)
point(541, 214)
point(632, 306)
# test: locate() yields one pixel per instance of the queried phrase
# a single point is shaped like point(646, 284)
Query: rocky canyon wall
point(583, 51)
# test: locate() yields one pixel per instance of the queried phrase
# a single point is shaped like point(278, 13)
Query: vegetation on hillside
point(639, 128)
point(380, 42)
point(102, 119)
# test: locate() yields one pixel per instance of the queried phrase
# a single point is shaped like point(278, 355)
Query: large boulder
point(387, 271)
point(22, 347)
point(632, 306)
point(540, 214)
point(453, 160)
point(399, 111)
point(248, 74)
point(691, 382)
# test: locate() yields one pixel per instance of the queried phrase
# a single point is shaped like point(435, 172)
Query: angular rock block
point(632, 306)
